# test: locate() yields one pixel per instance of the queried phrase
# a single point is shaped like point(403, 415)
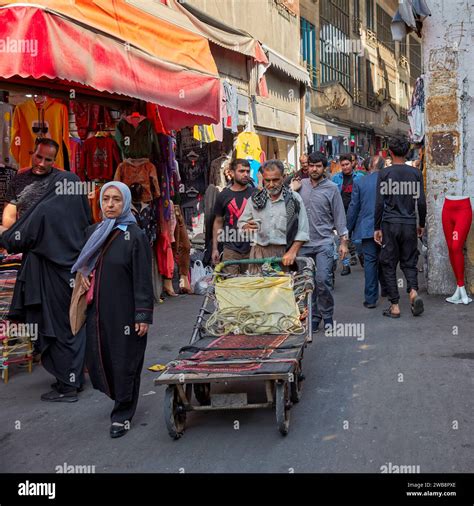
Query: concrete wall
point(265, 20)
point(449, 69)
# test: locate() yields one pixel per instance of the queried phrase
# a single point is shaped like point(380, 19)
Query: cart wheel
point(175, 415)
point(282, 407)
point(296, 386)
point(202, 391)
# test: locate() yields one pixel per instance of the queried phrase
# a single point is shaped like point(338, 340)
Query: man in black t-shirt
point(27, 186)
point(230, 204)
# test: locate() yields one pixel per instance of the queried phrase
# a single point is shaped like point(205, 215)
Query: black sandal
point(388, 312)
point(417, 307)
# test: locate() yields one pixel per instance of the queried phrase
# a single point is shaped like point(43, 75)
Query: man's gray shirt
point(325, 211)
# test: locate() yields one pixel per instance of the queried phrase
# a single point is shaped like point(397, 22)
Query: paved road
point(401, 396)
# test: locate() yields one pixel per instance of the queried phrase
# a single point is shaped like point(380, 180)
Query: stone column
point(449, 115)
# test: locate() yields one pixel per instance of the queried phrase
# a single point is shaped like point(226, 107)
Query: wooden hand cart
point(275, 360)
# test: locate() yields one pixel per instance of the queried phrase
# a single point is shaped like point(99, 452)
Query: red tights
point(457, 219)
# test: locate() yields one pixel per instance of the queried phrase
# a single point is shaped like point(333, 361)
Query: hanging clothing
point(232, 119)
point(75, 149)
point(6, 122)
point(6, 176)
point(153, 114)
point(30, 121)
point(416, 113)
point(204, 133)
point(136, 138)
point(216, 171)
point(139, 171)
point(164, 254)
point(248, 146)
point(123, 296)
point(50, 235)
point(90, 118)
point(181, 246)
point(100, 158)
point(145, 214)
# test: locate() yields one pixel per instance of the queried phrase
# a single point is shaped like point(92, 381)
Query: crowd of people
point(373, 214)
point(99, 275)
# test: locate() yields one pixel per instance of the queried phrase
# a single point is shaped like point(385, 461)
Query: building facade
point(277, 118)
point(361, 80)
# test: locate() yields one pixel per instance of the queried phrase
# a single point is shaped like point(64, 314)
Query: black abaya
point(51, 235)
point(123, 296)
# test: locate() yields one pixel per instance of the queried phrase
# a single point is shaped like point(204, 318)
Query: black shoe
point(328, 325)
point(345, 270)
point(315, 326)
point(117, 430)
point(370, 306)
point(353, 261)
point(361, 260)
point(55, 396)
point(55, 385)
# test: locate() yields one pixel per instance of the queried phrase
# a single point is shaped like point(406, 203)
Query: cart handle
point(307, 262)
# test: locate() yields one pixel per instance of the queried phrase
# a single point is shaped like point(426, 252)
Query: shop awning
point(288, 67)
point(112, 46)
point(321, 126)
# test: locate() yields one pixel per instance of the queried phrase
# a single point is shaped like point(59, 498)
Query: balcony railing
point(372, 101)
point(358, 96)
point(404, 114)
point(371, 38)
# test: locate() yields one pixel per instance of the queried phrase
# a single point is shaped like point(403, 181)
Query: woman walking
point(115, 268)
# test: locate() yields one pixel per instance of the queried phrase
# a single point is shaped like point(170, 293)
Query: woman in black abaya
point(115, 266)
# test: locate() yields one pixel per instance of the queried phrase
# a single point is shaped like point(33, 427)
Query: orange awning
point(112, 46)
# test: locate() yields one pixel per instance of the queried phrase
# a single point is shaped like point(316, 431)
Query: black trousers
point(399, 244)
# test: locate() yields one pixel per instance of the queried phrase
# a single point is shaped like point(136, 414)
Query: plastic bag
point(198, 271)
point(201, 286)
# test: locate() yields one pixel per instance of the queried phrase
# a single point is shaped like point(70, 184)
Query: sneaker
point(55, 396)
point(315, 326)
point(117, 430)
point(345, 270)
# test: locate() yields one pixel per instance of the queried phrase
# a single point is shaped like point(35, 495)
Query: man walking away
point(360, 223)
point(399, 194)
point(230, 204)
point(325, 209)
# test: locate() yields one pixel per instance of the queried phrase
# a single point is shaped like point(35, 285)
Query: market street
point(356, 415)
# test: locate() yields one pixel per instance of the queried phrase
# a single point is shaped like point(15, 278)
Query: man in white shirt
point(276, 217)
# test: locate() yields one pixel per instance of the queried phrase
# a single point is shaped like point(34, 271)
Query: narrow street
point(401, 396)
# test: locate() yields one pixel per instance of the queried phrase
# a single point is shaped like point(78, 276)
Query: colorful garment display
point(139, 171)
point(30, 121)
point(248, 146)
point(6, 121)
point(90, 118)
point(136, 138)
point(100, 157)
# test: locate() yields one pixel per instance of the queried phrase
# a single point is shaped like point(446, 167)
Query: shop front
point(112, 87)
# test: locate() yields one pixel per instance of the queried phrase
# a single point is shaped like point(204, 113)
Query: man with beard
point(47, 225)
point(277, 217)
point(230, 204)
point(325, 209)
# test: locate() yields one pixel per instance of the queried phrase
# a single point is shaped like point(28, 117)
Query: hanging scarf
point(260, 199)
point(91, 251)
